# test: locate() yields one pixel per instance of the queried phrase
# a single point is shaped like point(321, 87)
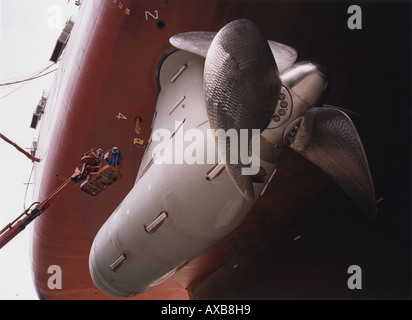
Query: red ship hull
point(107, 78)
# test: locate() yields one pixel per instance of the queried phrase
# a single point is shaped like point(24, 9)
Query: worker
point(99, 156)
point(115, 158)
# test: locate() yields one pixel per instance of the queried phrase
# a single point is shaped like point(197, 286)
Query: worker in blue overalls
point(115, 158)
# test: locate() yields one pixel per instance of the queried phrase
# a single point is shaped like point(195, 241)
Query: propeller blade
point(199, 42)
point(242, 83)
point(328, 138)
point(284, 55)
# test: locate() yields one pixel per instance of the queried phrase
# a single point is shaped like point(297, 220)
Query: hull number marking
point(121, 6)
point(121, 116)
point(154, 16)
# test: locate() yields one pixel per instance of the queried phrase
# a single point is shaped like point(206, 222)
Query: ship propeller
point(242, 86)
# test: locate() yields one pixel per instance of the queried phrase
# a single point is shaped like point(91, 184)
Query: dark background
point(370, 73)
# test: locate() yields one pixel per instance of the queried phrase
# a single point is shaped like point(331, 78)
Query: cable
point(28, 79)
point(27, 188)
point(13, 91)
point(28, 75)
point(10, 82)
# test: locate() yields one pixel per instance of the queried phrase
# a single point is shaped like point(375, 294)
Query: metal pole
point(28, 155)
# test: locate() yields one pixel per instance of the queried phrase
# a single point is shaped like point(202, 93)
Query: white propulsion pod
point(174, 211)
